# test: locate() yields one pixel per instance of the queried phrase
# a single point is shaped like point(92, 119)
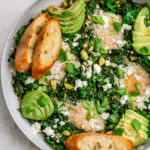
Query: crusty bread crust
point(25, 48)
point(47, 48)
point(98, 141)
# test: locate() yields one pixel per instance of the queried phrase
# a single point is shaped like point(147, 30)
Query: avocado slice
point(36, 105)
point(74, 20)
point(31, 110)
point(61, 12)
point(141, 33)
point(138, 137)
point(75, 27)
point(66, 18)
point(71, 19)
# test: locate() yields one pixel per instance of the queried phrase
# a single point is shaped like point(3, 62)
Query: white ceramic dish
point(9, 95)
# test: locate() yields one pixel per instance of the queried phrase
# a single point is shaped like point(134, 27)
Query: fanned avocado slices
point(66, 15)
point(135, 127)
point(71, 19)
point(59, 11)
point(141, 33)
point(36, 105)
point(74, 27)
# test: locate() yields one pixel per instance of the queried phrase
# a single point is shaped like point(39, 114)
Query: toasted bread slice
point(24, 52)
point(98, 141)
point(47, 48)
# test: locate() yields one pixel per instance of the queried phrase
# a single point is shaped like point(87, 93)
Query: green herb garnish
point(98, 20)
point(119, 131)
point(42, 101)
point(134, 94)
point(62, 56)
point(117, 26)
point(99, 46)
point(138, 86)
point(136, 124)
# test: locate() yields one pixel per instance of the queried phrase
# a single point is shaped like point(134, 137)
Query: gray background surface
point(10, 136)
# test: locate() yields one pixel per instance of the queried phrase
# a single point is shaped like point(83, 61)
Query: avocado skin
point(39, 113)
point(138, 137)
point(141, 33)
point(72, 21)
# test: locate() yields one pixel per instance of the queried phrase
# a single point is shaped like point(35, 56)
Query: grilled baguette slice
point(47, 48)
point(25, 49)
point(98, 141)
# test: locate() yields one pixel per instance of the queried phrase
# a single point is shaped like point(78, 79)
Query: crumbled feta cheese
point(137, 77)
point(66, 39)
point(85, 83)
point(126, 27)
point(29, 80)
point(129, 72)
point(65, 46)
point(49, 131)
point(62, 123)
point(149, 106)
point(82, 126)
point(97, 6)
point(75, 44)
point(56, 120)
point(121, 43)
point(148, 57)
point(97, 69)
point(106, 20)
point(83, 67)
point(147, 92)
point(96, 54)
point(98, 127)
point(124, 99)
point(105, 115)
point(107, 86)
point(140, 102)
point(55, 126)
point(89, 62)
point(64, 112)
point(57, 141)
point(36, 127)
point(88, 73)
point(107, 63)
point(79, 84)
point(92, 126)
point(77, 37)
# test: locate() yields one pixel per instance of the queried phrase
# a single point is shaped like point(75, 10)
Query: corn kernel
point(118, 2)
point(64, 4)
point(53, 84)
point(133, 58)
point(91, 48)
point(115, 82)
point(68, 86)
point(85, 45)
point(133, 107)
point(101, 61)
point(66, 132)
point(89, 17)
point(70, 3)
point(84, 54)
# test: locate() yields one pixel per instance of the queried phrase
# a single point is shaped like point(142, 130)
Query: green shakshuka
point(100, 82)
